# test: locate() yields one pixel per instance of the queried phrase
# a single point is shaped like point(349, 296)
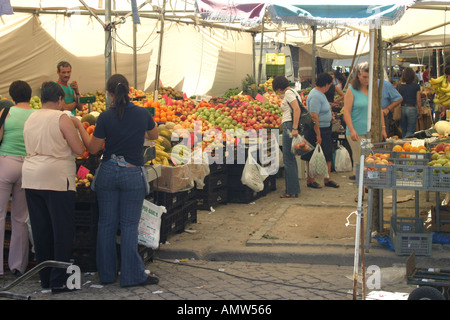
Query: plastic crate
point(439, 178)
point(215, 181)
point(270, 184)
point(168, 199)
point(414, 177)
point(408, 235)
point(410, 158)
point(85, 194)
point(207, 199)
point(375, 175)
point(172, 222)
point(190, 211)
point(86, 214)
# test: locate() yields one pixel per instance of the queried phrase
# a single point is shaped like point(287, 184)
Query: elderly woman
point(48, 177)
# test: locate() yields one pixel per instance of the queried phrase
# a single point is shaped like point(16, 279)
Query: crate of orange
point(162, 112)
point(406, 154)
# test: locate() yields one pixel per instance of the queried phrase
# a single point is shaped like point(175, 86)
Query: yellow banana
point(159, 147)
point(160, 153)
point(437, 80)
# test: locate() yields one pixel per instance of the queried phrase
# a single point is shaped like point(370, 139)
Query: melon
point(163, 132)
point(89, 118)
point(166, 144)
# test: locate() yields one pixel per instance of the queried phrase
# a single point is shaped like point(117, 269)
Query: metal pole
point(134, 55)
point(108, 46)
point(158, 64)
point(358, 228)
point(313, 54)
point(258, 81)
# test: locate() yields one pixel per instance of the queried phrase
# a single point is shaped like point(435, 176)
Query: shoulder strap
point(3, 117)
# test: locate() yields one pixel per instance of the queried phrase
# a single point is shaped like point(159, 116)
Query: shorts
point(327, 143)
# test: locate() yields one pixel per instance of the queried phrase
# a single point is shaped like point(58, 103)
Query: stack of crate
point(86, 225)
point(215, 190)
point(181, 210)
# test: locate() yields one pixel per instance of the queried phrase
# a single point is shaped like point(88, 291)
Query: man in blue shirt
point(390, 100)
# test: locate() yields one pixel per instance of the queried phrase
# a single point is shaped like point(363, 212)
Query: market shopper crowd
point(37, 172)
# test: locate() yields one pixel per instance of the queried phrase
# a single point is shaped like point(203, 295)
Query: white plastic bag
point(318, 167)
point(342, 162)
point(252, 176)
point(150, 224)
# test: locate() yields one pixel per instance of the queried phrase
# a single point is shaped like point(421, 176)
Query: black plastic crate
point(85, 237)
point(172, 222)
point(215, 168)
point(215, 181)
point(270, 184)
point(85, 258)
point(85, 194)
point(169, 200)
point(243, 194)
point(207, 199)
point(86, 214)
point(190, 211)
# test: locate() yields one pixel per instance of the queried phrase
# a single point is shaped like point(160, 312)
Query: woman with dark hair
point(120, 183)
point(412, 102)
point(48, 177)
point(12, 155)
point(290, 106)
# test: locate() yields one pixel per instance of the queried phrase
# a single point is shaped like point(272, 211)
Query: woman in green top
point(12, 155)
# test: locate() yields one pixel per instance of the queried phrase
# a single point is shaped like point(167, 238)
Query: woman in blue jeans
point(411, 104)
point(289, 120)
point(120, 183)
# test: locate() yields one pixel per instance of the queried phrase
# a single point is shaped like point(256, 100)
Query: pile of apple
point(378, 159)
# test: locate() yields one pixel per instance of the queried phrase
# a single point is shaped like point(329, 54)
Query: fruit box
point(409, 235)
point(174, 179)
point(439, 178)
point(375, 175)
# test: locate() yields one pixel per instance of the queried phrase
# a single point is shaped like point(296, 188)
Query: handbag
point(2, 119)
point(397, 114)
point(305, 122)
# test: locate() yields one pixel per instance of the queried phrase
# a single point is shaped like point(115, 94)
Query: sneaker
point(352, 177)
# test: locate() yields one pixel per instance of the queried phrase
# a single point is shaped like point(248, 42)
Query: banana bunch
point(268, 84)
point(162, 157)
point(442, 89)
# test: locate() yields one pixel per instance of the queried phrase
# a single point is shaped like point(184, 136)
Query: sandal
point(332, 184)
point(286, 195)
point(314, 185)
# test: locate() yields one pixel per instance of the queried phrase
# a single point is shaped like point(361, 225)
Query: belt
point(120, 161)
point(123, 164)
point(408, 105)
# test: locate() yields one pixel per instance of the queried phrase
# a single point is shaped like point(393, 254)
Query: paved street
point(224, 280)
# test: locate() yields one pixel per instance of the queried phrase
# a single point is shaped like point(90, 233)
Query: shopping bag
point(318, 167)
point(342, 162)
point(300, 146)
point(252, 175)
point(150, 224)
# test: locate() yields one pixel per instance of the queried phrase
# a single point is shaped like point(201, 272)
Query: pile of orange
point(407, 147)
point(163, 113)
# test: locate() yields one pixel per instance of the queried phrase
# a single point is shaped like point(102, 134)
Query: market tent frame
point(329, 41)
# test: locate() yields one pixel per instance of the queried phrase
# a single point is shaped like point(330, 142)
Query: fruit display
point(84, 182)
point(35, 102)
point(170, 92)
point(442, 90)
point(378, 158)
point(134, 93)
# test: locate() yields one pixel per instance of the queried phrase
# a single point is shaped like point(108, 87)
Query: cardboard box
point(174, 179)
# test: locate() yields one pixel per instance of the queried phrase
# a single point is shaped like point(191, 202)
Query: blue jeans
point(120, 194)
point(290, 162)
point(408, 120)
